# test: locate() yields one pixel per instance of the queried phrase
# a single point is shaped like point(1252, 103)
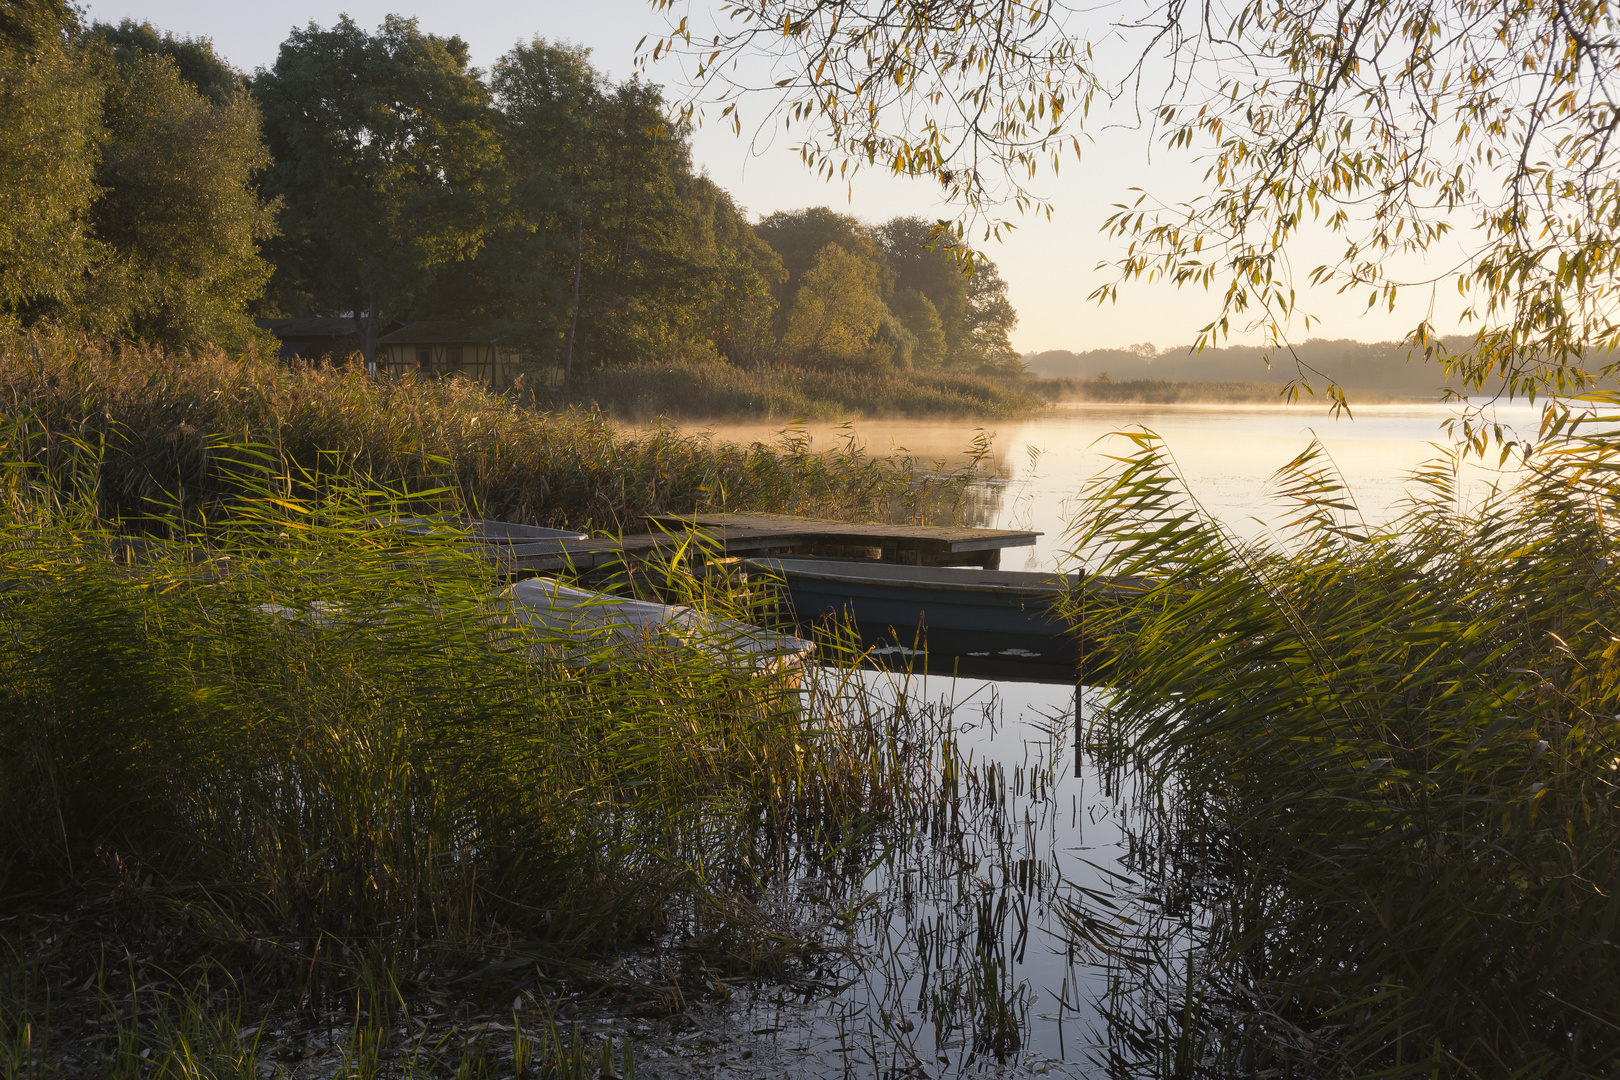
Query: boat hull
point(995, 624)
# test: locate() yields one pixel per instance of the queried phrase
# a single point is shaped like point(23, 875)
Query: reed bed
point(287, 744)
point(1388, 760)
point(1186, 392)
point(716, 390)
point(157, 419)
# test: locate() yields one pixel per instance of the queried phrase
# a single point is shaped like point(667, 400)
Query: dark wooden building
point(314, 338)
point(486, 352)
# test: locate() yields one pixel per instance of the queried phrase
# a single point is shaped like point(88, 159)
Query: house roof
point(307, 328)
point(431, 332)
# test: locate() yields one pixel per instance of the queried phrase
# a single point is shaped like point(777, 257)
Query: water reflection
point(1031, 912)
point(982, 932)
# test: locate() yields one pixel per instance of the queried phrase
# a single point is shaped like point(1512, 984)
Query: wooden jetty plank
point(766, 534)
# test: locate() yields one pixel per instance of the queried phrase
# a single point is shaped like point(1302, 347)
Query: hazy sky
point(1050, 266)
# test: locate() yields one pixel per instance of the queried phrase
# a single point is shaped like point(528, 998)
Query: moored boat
point(997, 623)
point(592, 627)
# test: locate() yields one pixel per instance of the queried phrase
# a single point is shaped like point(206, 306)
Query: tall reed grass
point(280, 759)
point(1389, 756)
point(317, 732)
point(157, 419)
point(718, 390)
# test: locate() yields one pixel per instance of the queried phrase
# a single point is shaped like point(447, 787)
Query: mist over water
point(1227, 455)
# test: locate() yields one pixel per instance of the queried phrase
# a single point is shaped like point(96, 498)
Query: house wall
point(488, 363)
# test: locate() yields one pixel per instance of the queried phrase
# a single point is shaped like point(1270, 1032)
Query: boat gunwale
point(921, 577)
point(1057, 584)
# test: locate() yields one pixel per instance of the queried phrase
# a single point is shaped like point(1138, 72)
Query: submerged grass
point(1390, 759)
point(158, 421)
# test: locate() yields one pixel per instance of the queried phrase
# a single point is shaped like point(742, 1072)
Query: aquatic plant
point(715, 390)
point(1387, 760)
point(316, 730)
point(157, 421)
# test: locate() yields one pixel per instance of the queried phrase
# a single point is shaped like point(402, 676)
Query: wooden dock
point(754, 535)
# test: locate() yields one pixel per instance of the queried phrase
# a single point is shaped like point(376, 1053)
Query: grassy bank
point(708, 391)
point(156, 420)
point(1180, 392)
point(1390, 758)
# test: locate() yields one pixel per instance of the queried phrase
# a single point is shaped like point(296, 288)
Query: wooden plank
point(764, 534)
point(571, 554)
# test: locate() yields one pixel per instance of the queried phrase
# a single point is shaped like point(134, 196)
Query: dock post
point(1079, 730)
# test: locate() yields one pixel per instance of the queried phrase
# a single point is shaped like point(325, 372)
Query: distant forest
point(153, 193)
point(1379, 368)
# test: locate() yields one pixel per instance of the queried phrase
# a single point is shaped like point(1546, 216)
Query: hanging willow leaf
point(1464, 145)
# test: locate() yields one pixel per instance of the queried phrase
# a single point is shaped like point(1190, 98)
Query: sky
point(1050, 265)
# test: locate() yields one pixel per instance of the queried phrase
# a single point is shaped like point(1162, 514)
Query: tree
point(837, 312)
point(126, 198)
point(548, 97)
point(49, 130)
point(179, 216)
point(194, 58)
point(918, 315)
point(924, 258)
point(1387, 123)
point(800, 236)
point(382, 145)
point(747, 272)
point(986, 327)
point(32, 26)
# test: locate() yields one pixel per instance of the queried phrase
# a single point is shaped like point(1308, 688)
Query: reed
point(157, 421)
point(296, 772)
point(1386, 758)
point(316, 733)
point(1189, 392)
point(716, 390)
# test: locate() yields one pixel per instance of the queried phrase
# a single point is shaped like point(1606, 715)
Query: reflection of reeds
point(1388, 761)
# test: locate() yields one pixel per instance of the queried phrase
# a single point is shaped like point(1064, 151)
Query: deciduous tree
point(179, 217)
point(49, 129)
point(800, 236)
point(194, 58)
point(383, 143)
point(837, 311)
point(918, 314)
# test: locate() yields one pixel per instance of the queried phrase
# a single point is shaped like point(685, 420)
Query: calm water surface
point(963, 950)
point(1226, 454)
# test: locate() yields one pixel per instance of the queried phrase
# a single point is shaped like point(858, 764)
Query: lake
point(1227, 455)
point(980, 942)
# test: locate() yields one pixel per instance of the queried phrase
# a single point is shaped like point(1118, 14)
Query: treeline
point(1386, 368)
point(149, 192)
point(128, 205)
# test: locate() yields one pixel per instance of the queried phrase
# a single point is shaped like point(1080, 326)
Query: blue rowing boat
point(996, 623)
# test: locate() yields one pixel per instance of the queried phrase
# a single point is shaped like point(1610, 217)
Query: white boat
point(593, 627)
